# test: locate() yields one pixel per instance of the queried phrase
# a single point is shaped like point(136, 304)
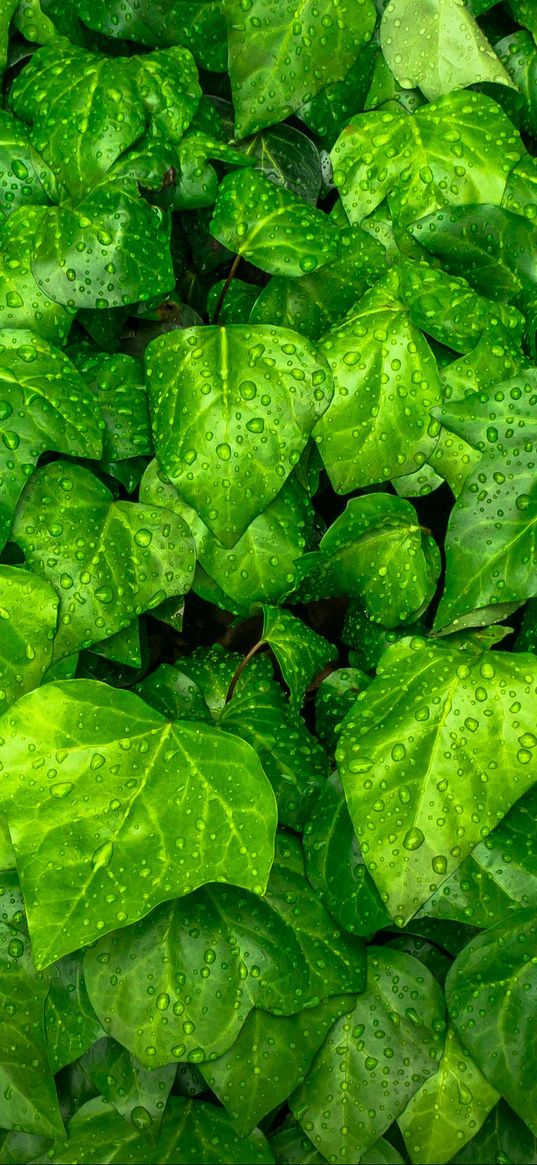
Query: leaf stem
point(261, 644)
point(225, 289)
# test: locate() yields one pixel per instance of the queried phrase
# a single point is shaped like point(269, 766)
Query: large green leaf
point(215, 955)
point(271, 227)
point(374, 1059)
point(416, 159)
point(376, 551)
point(314, 303)
point(199, 25)
point(28, 1099)
point(335, 866)
point(45, 406)
point(232, 410)
point(437, 715)
point(497, 507)
point(269, 1059)
point(191, 1130)
point(86, 109)
point(108, 561)
point(448, 1109)
point(499, 876)
point(438, 46)
point(132, 810)
point(28, 616)
point(386, 381)
point(284, 52)
point(261, 565)
point(112, 249)
point(490, 991)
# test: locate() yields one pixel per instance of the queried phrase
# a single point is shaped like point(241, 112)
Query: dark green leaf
point(335, 697)
point(433, 709)
point(488, 991)
point(301, 653)
point(257, 391)
point(139, 1095)
point(448, 309)
point(147, 803)
point(503, 1135)
point(288, 158)
point(118, 384)
point(215, 955)
point(197, 24)
point(71, 1025)
point(25, 177)
point(28, 616)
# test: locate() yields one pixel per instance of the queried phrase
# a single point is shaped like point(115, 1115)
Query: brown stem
point(225, 289)
point(244, 663)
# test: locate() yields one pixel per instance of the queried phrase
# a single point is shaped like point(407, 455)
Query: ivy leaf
point(97, 106)
point(301, 653)
point(71, 1025)
point(271, 227)
point(140, 1096)
point(432, 708)
point(335, 866)
point(498, 876)
point(401, 1011)
point(199, 26)
point(314, 303)
point(287, 158)
point(118, 384)
point(28, 1097)
point(271, 76)
point(450, 1106)
point(437, 46)
point(502, 1134)
point(377, 552)
point(45, 406)
point(261, 565)
point(386, 381)
point(23, 304)
point(486, 991)
point(385, 153)
point(257, 1073)
point(497, 506)
point(447, 308)
point(258, 391)
point(112, 249)
point(150, 771)
point(28, 616)
point(130, 559)
point(250, 952)
point(26, 180)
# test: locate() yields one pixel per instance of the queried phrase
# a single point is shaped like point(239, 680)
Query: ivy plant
point(268, 582)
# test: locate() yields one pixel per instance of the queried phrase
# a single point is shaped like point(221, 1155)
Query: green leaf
point(432, 708)
point(300, 652)
point(519, 58)
point(287, 158)
point(97, 106)
point(7, 9)
point(23, 304)
point(271, 74)
point(401, 1013)
point(112, 249)
point(237, 304)
point(524, 13)
point(314, 303)
point(28, 1099)
point(335, 866)
point(215, 955)
point(335, 697)
point(45, 406)
point(261, 565)
point(271, 227)
point(386, 381)
point(118, 384)
point(376, 551)
point(71, 1025)
point(487, 991)
point(411, 158)
point(328, 112)
point(138, 1095)
point(438, 46)
point(138, 819)
point(123, 647)
point(291, 1146)
point(33, 23)
point(25, 178)
point(28, 616)
point(198, 25)
point(446, 1111)
point(503, 1134)
point(258, 391)
point(191, 1130)
point(498, 876)
point(497, 507)
point(258, 1072)
point(130, 559)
